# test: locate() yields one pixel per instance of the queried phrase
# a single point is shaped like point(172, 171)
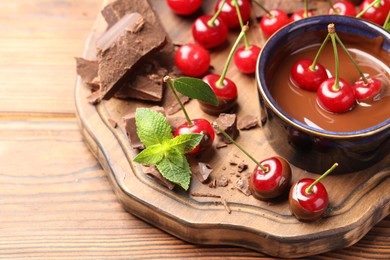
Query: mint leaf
point(179, 174)
point(185, 142)
point(152, 127)
point(151, 155)
point(195, 88)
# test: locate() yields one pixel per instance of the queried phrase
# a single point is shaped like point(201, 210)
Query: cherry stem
point(306, 11)
point(352, 59)
point(263, 8)
point(219, 83)
point(265, 169)
point(335, 11)
point(332, 32)
point(215, 16)
point(313, 65)
point(246, 42)
point(375, 2)
point(169, 82)
point(387, 21)
point(308, 190)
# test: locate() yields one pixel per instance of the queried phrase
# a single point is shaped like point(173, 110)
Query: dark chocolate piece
point(138, 39)
point(228, 123)
point(88, 71)
point(153, 172)
point(247, 122)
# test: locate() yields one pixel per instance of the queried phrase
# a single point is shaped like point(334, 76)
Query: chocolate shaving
point(220, 145)
point(242, 185)
point(153, 172)
point(206, 195)
point(222, 181)
point(247, 122)
point(226, 206)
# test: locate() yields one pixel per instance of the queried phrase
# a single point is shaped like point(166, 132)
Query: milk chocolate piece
point(88, 71)
point(228, 123)
point(138, 39)
point(247, 122)
point(153, 172)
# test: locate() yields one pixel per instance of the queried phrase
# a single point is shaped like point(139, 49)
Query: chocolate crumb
point(220, 145)
point(242, 185)
point(222, 181)
point(233, 162)
point(242, 167)
point(226, 206)
point(223, 168)
point(206, 195)
point(247, 122)
point(112, 122)
point(156, 175)
point(213, 183)
point(228, 123)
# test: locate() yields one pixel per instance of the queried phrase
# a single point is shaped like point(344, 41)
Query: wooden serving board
point(357, 201)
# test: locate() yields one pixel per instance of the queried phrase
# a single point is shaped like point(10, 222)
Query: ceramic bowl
point(303, 145)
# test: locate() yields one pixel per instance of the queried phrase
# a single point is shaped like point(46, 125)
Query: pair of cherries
point(334, 94)
point(271, 178)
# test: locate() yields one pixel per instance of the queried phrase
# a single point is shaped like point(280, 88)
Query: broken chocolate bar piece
point(136, 40)
point(88, 71)
point(247, 122)
point(228, 123)
point(153, 172)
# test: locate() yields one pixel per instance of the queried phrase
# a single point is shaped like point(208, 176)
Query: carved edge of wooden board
point(143, 198)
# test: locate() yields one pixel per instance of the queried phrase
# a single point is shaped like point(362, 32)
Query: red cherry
point(184, 7)
point(335, 100)
point(298, 15)
point(200, 126)
point(272, 22)
point(376, 14)
point(367, 91)
point(343, 8)
point(229, 14)
point(246, 58)
point(273, 182)
point(209, 36)
point(192, 60)
point(226, 95)
point(305, 78)
point(308, 206)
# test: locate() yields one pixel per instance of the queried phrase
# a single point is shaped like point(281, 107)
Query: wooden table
point(55, 200)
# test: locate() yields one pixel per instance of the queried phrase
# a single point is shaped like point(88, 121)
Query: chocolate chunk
point(222, 181)
point(88, 71)
point(201, 170)
point(228, 123)
point(131, 129)
point(247, 122)
point(118, 57)
point(156, 175)
point(242, 185)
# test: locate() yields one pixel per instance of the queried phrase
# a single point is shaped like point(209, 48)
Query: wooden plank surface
point(55, 199)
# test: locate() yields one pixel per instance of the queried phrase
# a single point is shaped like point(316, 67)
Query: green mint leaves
point(162, 149)
point(195, 88)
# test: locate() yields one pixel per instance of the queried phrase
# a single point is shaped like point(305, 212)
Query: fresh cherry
point(307, 77)
point(273, 21)
point(246, 58)
point(192, 60)
point(343, 8)
point(229, 13)
point(270, 178)
point(308, 198)
point(298, 15)
point(224, 88)
point(377, 13)
point(184, 7)
point(200, 126)
point(336, 95)
point(366, 91)
point(209, 31)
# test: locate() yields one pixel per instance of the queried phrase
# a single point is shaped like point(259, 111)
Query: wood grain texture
point(55, 199)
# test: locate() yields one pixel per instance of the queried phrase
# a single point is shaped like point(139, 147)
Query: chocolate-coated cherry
point(200, 126)
point(246, 58)
point(184, 7)
point(273, 21)
point(229, 13)
point(367, 91)
point(343, 8)
point(308, 198)
point(306, 76)
point(376, 13)
point(336, 95)
point(270, 178)
point(209, 31)
point(192, 60)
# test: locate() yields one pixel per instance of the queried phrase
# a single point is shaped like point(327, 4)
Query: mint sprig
point(162, 149)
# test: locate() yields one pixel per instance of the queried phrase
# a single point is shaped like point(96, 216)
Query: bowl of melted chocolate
point(296, 125)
